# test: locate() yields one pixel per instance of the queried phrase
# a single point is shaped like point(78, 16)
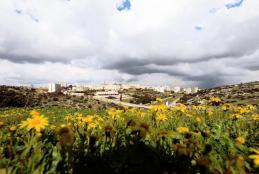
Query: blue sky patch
point(198, 28)
point(33, 18)
point(214, 10)
point(124, 5)
point(18, 11)
point(235, 4)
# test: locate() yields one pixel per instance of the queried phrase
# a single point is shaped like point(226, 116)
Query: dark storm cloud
point(234, 4)
point(240, 41)
point(139, 66)
point(206, 81)
point(32, 59)
point(253, 67)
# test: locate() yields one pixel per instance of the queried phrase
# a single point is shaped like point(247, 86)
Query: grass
point(184, 139)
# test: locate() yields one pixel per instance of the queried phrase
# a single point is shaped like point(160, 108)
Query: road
point(120, 103)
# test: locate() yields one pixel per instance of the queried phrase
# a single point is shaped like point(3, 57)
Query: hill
point(11, 96)
point(244, 93)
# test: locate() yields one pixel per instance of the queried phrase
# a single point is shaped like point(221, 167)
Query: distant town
point(113, 89)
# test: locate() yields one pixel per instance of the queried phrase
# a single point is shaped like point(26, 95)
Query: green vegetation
point(212, 138)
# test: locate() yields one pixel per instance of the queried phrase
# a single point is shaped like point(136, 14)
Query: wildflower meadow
point(210, 138)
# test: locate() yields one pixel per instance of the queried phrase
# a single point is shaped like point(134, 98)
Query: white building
point(195, 89)
point(53, 87)
point(159, 89)
point(187, 90)
point(63, 84)
point(79, 88)
point(176, 89)
point(112, 87)
point(76, 94)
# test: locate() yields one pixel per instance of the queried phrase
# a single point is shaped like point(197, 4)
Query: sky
point(152, 42)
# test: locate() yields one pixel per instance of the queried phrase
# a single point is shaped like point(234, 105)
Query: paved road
point(121, 103)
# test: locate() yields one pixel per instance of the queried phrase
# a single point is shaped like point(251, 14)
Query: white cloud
point(91, 41)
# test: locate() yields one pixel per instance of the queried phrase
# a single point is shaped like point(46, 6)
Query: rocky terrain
point(143, 96)
point(244, 93)
point(11, 96)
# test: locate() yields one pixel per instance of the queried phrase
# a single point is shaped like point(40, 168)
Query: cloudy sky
point(156, 42)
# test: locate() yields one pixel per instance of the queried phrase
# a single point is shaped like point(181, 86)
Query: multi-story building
point(54, 88)
point(176, 89)
point(187, 90)
point(195, 89)
point(159, 88)
point(63, 84)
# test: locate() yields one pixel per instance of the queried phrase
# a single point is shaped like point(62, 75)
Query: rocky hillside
point(28, 97)
point(244, 93)
point(17, 97)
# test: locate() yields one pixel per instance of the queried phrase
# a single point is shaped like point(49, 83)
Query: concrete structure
point(187, 90)
point(195, 89)
point(79, 88)
point(76, 94)
point(54, 88)
point(107, 88)
point(176, 89)
point(63, 84)
point(159, 89)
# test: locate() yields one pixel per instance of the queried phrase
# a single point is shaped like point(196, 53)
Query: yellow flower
point(256, 117)
point(240, 140)
point(198, 119)
point(215, 99)
point(210, 112)
point(181, 108)
point(114, 114)
point(158, 108)
point(141, 114)
point(226, 107)
point(159, 100)
point(242, 110)
point(12, 128)
point(34, 113)
point(182, 129)
point(77, 114)
point(236, 116)
point(251, 108)
point(68, 117)
point(1, 123)
point(36, 122)
point(52, 127)
point(125, 108)
point(199, 107)
point(162, 117)
point(92, 125)
point(189, 115)
point(63, 125)
point(88, 119)
point(255, 157)
point(99, 118)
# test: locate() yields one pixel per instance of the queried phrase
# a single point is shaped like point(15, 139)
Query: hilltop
point(12, 96)
point(243, 93)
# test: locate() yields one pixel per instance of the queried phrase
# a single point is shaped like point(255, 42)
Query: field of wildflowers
point(209, 138)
